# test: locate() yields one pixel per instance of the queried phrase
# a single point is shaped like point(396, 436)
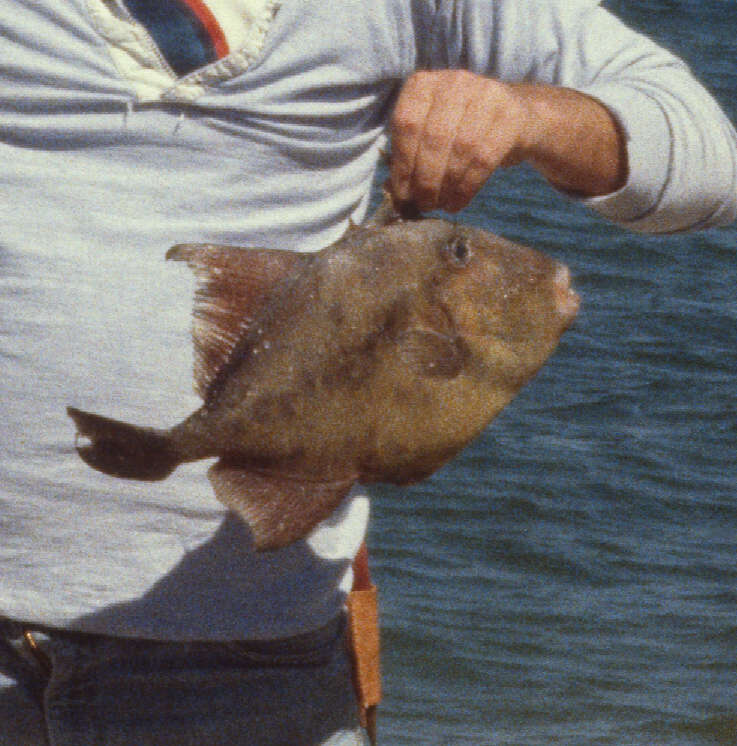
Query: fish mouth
point(567, 300)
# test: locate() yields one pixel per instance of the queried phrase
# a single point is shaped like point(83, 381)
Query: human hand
point(451, 129)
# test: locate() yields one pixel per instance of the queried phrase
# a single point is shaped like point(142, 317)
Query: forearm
point(572, 139)
point(677, 163)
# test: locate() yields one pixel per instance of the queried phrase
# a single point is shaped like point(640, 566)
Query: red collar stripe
point(211, 25)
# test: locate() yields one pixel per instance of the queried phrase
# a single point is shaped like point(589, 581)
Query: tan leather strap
point(363, 636)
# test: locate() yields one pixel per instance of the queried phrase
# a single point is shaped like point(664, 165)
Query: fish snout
point(567, 301)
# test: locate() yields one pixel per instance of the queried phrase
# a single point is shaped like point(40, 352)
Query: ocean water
point(571, 578)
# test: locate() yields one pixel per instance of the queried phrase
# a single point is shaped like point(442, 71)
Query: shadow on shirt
point(268, 594)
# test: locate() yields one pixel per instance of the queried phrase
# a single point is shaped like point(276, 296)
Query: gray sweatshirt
point(114, 148)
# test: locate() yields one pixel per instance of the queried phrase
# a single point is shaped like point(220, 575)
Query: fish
point(376, 359)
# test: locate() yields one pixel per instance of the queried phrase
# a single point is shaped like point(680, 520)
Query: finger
point(454, 192)
point(472, 162)
point(460, 194)
point(407, 125)
point(450, 94)
point(480, 146)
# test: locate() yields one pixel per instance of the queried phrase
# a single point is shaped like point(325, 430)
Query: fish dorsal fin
point(278, 509)
point(234, 284)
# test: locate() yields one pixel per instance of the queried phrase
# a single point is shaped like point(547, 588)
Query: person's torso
point(109, 160)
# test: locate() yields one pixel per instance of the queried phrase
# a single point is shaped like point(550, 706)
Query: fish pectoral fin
point(278, 510)
point(432, 353)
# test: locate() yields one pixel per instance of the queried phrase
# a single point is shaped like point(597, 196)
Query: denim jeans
point(112, 691)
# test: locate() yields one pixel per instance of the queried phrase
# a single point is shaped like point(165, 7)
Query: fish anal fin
point(278, 510)
point(234, 284)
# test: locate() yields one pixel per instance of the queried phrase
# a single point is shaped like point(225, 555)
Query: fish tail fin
point(123, 450)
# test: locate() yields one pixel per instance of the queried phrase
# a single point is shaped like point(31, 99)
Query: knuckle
point(469, 155)
point(405, 121)
point(463, 146)
point(435, 140)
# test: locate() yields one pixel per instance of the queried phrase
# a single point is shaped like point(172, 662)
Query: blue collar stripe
point(180, 34)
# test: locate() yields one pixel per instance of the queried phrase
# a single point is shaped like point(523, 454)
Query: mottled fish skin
point(376, 359)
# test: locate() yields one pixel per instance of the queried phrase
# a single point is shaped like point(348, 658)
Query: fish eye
point(458, 251)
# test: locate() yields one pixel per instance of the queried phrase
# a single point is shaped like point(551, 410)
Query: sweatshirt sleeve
point(682, 150)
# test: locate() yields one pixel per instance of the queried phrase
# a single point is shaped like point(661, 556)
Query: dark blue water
point(572, 577)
